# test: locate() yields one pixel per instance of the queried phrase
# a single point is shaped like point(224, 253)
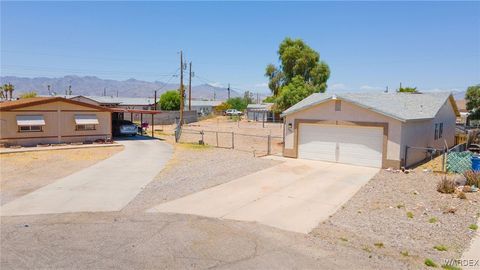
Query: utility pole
point(49, 93)
point(258, 99)
point(214, 94)
point(155, 100)
point(228, 91)
point(117, 93)
point(182, 102)
point(190, 88)
point(70, 90)
point(104, 91)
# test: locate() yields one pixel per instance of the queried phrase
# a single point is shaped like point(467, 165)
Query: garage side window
point(30, 123)
point(84, 127)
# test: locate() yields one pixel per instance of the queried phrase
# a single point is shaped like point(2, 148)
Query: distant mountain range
point(94, 86)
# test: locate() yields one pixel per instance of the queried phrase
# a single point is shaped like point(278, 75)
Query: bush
point(430, 263)
point(446, 186)
point(440, 248)
point(409, 214)
point(433, 220)
point(473, 227)
point(472, 178)
point(170, 101)
point(461, 195)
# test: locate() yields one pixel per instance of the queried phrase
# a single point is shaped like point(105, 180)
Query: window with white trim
point(30, 128)
point(85, 127)
point(436, 132)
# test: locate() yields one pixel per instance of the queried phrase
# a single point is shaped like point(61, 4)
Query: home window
point(436, 132)
point(85, 122)
point(30, 123)
point(84, 127)
point(30, 129)
point(440, 130)
point(338, 105)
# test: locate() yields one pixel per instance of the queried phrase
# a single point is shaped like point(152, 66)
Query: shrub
point(432, 220)
point(473, 227)
point(344, 239)
point(430, 263)
point(440, 248)
point(461, 195)
point(379, 245)
point(446, 186)
point(472, 178)
point(404, 253)
point(409, 214)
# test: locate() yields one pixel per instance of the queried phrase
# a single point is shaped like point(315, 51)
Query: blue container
point(476, 163)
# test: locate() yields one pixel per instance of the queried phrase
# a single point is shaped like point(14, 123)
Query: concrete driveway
point(295, 195)
point(106, 186)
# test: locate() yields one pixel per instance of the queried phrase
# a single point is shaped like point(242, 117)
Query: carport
point(119, 113)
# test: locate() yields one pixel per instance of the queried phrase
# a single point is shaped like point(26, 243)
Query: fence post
point(269, 144)
point(443, 159)
point(201, 132)
point(233, 140)
point(216, 134)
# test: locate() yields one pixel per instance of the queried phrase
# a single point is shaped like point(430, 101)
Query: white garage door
point(344, 144)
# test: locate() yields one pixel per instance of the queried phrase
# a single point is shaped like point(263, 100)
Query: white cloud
point(338, 86)
point(371, 88)
point(216, 84)
point(261, 84)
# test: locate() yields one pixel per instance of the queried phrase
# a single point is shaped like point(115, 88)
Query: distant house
point(261, 112)
point(119, 102)
point(203, 107)
point(370, 129)
point(46, 120)
point(464, 113)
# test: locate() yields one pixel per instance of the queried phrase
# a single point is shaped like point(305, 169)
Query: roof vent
point(334, 96)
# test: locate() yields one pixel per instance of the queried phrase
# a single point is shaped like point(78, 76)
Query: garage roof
point(401, 106)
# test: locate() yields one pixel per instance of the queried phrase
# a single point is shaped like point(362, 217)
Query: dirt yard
point(247, 136)
point(24, 172)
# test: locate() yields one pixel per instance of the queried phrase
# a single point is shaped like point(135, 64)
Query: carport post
point(269, 142)
point(131, 116)
point(153, 127)
point(141, 121)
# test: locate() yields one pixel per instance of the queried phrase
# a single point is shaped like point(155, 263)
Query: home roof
point(20, 103)
point(401, 106)
point(110, 100)
point(206, 103)
point(261, 106)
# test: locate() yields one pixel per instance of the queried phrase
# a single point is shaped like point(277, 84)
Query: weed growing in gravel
point(344, 239)
point(446, 186)
point(379, 245)
point(432, 220)
point(461, 195)
point(472, 178)
point(473, 227)
point(404, 253)
point(430, 263)
point(400, 206)
point(409, 214)
point(367, 249)
point(440, 248)
point(450, 267)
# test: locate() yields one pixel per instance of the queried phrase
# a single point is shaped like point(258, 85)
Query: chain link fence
point(258, 144)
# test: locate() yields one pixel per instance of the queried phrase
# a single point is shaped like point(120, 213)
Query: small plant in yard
point(440, 248)
point(450, 267)
point(430, 263)
point(446, 186)
point(404, 253)
point(400, 206)
point(432, 220)
point(379, 245)
point(473, 227)
point(367, 249)
point(409, 214)
point(461, 195)
point(344, 239)
point(472, 178)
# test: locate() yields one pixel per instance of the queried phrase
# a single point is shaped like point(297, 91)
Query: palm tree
point(9, 89)
point(3, 91)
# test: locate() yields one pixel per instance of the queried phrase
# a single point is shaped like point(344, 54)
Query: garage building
point(369, 129)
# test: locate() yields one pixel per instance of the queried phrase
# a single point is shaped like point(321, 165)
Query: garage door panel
point(344, 144)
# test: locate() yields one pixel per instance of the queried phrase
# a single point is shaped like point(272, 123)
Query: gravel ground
point(22, 173)
point(194, 168)
point(378, 214)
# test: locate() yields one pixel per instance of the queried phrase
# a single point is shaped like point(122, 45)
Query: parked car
point(233, 112)
point(124, 128)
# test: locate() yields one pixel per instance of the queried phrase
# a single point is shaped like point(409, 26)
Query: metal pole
point(153, 127)
point(155, 101)
point(269, 142)
point(141, 121)
point(406, 155)
point(216, 134)
point(233, 140)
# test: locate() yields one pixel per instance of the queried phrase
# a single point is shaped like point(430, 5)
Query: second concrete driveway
point(106, 186)
point(295, 195)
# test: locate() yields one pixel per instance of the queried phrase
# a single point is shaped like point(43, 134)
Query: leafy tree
point(270, 99)
point(248, 97)
point(472, 96)
point(297, 59)
point(30, 94)
point(407, 90)
point(170, 101)
point(223, 107)
point(237, 103)
point(293, 93)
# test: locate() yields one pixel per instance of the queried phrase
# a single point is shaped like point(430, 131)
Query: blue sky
point(368, 45)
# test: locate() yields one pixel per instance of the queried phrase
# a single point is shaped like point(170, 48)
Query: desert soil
point(22, 173)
